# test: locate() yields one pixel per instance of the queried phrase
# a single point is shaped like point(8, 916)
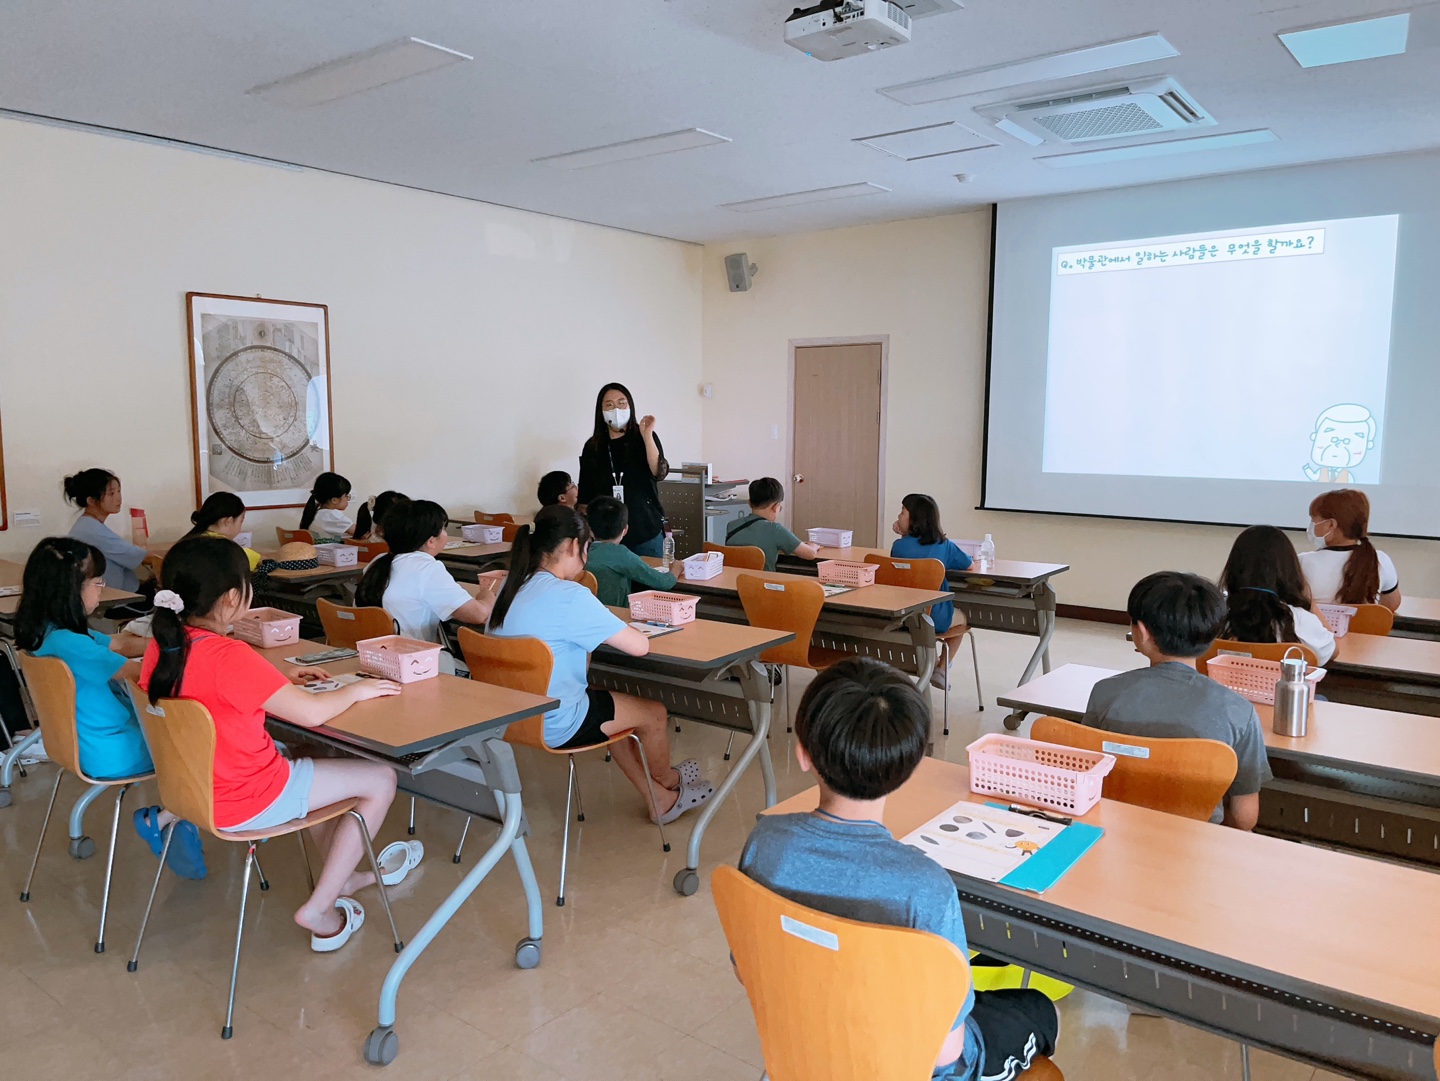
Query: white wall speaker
point(739, 270)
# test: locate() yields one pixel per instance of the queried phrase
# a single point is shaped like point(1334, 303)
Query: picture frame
point(260, 405)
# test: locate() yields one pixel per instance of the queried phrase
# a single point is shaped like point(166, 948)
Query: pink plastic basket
point(673, 608)
point(268, 627)
point(843, 572)
point(1044, 774)
point(831, 538)
point(396, 657)
point(1336, 617)
point(1254, 679)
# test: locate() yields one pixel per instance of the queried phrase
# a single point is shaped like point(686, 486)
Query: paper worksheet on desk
point(981, 841)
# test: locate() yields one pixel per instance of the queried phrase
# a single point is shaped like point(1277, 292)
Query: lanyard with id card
point(617, 489)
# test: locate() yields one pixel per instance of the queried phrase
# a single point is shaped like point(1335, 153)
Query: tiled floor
point(635, 983)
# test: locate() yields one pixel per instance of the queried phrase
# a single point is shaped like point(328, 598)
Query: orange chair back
point(508, 531)
point(590, 582)
point(485, 518)
point(792, 605)
point(1372, 619)
point(1186, 777)
point(835, 998)
point(346, 626)
point(1261, 651)
point(287, 536)
point(910, 573)
point(181, 735)
point(369, 549)
point(744, 556)
point(52, 691)
point(522, 664)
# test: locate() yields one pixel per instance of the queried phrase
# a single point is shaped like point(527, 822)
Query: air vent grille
point(898, 15)
point(1106, 122)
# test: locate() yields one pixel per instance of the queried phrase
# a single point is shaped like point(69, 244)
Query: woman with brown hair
point(1346, 568)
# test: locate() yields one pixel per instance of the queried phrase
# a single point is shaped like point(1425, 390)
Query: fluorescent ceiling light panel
point(1156, 150)
point(962, 84)
point(930, 141)
point(795, 198)
point(688, 139)
point(1363, 40)
point(354, 74)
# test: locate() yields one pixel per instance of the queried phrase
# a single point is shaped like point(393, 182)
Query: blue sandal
point(147, 825)
point(186, 857)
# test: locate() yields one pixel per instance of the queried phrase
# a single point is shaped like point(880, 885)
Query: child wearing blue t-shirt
point(920, 537)
point(64, 578)
point(862, 728)
point(542, 600)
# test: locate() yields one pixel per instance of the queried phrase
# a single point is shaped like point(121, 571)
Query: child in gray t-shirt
point(862, 727)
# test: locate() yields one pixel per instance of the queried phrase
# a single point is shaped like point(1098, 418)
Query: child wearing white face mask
point(1346, 568)
point(624, 459)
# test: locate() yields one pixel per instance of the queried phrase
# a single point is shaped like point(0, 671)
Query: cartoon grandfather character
point(1342, 436)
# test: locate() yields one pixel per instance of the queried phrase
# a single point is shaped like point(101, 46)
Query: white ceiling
point(551, 76)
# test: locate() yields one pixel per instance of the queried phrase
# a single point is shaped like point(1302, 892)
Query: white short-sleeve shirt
point(1311, 630)
point(1325, 568)
point(421, 595)
point(330, 523)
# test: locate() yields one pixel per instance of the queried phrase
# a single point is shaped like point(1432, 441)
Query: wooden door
point(836, 427)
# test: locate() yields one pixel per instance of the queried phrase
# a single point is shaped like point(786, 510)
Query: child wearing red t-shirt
point(207, 580)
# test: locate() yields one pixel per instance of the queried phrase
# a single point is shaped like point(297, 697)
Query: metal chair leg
point(260, 873)
point(145, 919)
point(410, 829)
point(975, 661)
point(59, 776)
point(305, 855)
point(650, 782)
point(785, 685)
point(945, 691)
point(109, 869)
point(379, 885)
point(579, 802)
point(461, 846)
point(729, 746)
point(229, 1029)
point(1245, 1062)
point(565, 842)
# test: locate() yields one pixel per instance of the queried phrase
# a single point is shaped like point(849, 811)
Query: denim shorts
point(293, 801)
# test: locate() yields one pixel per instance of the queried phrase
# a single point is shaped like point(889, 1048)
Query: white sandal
point(398, 859)
point(689, 797)
point(354, 920)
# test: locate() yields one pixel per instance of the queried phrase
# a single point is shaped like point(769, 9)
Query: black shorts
point(600, 710)
point(1016, 1024)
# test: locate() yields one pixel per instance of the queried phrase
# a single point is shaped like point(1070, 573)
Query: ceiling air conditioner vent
point(1112, 113)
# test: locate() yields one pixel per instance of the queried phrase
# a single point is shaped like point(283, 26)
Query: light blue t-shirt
point(121, 557)
point(947, 552)
point(111, 742)
point(572, 622)
point(858, 871)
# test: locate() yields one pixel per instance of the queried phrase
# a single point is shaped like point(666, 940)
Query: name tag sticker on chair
point(809, 934)
point(155, 711)
point(1129, 750)
point(902, 566)
point(344, 615)
point(778, 587)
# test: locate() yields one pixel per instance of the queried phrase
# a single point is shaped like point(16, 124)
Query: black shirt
point(625, 458)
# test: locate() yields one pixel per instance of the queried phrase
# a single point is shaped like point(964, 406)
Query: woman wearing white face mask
point(624, 459)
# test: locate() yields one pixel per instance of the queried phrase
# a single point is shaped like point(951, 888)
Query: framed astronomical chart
point(260, 397)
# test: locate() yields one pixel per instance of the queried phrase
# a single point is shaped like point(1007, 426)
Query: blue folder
point(1048, 866)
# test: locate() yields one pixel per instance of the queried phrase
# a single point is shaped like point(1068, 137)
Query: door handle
point(799, 478)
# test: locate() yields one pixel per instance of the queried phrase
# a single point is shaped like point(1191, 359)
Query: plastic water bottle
point(986, 558)
point(667, 554)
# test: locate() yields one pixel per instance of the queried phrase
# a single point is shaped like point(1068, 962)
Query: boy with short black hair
point(862, 727)
point(760, 528)
point(618, 570)
point(1173, 619)
point(557, 487)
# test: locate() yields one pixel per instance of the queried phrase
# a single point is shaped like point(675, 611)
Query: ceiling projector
point(835, 29)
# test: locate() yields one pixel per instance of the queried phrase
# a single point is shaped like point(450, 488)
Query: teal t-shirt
point(772, 538)
point(111, 742)
point(620, 572)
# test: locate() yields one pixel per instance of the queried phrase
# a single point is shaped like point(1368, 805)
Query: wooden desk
point(884, 622)
point(1312, 954)
point(1418, 617)
point(1385, 672)
point(1012, 596)
point(1366, 780)
point(13, 574)
point(467, 560)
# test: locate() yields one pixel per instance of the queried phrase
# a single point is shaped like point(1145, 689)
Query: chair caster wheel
point(527, 953)
point(1012, 722)
point(381, 1046)
point(5, 797)
point(81, 848)
point(687, 882)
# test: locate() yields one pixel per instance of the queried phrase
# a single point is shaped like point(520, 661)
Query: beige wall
point(467, 340)
point(924, 283)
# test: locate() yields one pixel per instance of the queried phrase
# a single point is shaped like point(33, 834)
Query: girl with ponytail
point(411, 584)
point(207, 588)
point(97, 493)
point(1266, 596)
point(1346, 568)
point(222, 515)
point(372, 513)
point(324, 513)
point(541, 599)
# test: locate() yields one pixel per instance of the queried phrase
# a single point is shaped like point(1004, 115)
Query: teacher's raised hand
point(647, 426)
